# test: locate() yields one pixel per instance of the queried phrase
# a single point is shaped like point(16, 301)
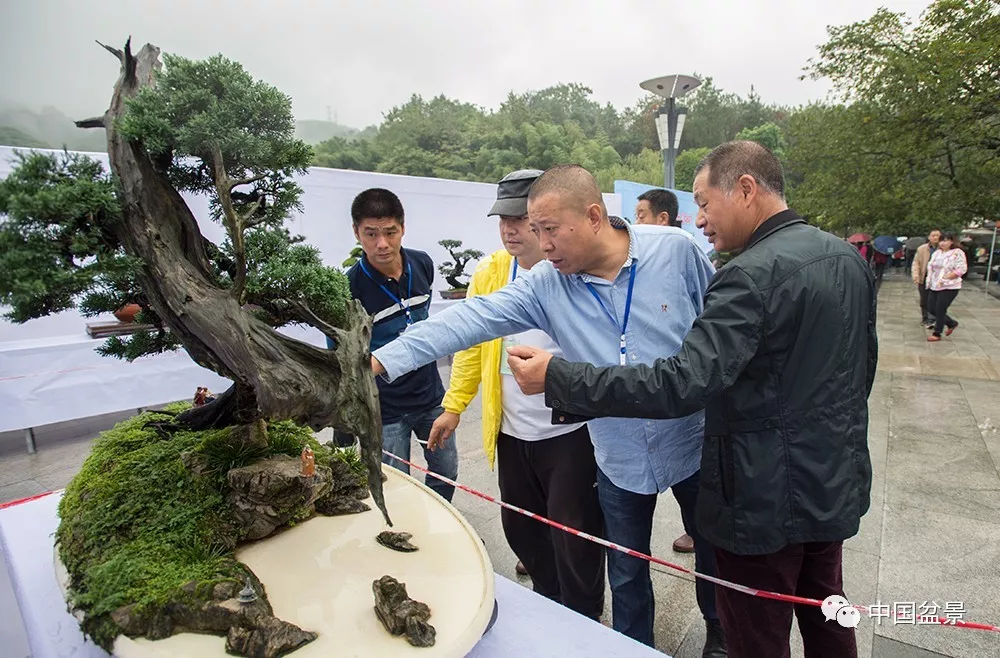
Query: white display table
point(61, 378)
point(527, 625)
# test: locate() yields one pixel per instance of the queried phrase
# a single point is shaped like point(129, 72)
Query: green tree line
point(909, 140)
point(446, 138)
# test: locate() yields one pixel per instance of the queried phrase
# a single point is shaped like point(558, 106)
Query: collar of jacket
point(773, 224)
point(619, 224)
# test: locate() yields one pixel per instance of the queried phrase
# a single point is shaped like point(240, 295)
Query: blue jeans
point(443, 461)
point(628, 521)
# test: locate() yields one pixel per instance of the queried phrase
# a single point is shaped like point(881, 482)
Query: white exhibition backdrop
point(50, 371)
point(436, 209)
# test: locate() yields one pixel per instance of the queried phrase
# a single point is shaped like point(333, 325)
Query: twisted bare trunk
point(274, 376)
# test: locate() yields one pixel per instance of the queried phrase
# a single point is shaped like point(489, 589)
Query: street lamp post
point(989, 265)
point(670, 119)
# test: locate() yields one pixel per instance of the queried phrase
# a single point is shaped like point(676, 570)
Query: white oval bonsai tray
point(318, 575)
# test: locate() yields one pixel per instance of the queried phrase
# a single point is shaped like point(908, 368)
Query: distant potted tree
point(455, 268)
point(356, 253)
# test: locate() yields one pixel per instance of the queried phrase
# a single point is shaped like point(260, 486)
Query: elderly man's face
point(565, 231)
point(724, 219)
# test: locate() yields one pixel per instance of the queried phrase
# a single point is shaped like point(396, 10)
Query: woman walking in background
point(944, 280)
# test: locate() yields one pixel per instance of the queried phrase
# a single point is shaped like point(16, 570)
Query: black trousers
point(555, 478)
point(757, 627)
point(939, 302)
point(880, 270)
point(926, 312)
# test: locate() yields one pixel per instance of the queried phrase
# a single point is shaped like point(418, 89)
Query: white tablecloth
point(55, 379)
point(527, 625)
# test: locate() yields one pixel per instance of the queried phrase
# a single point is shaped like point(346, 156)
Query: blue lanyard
point(409, 289)
point(513, 275)
point(628, 308)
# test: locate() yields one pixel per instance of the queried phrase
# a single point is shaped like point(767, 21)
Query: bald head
point(567, 213)
point(574, 185)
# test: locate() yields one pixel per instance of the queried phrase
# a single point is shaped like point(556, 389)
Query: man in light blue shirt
point(609, 294)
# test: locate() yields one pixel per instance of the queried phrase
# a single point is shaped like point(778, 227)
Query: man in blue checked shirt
point(609, 293)
point(394, 286)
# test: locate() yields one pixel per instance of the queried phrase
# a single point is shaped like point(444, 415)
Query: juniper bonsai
point(455, 267)
point(75, 235)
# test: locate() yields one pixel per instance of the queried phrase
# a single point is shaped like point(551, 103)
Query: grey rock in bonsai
point(401, 615)
point(148, 528)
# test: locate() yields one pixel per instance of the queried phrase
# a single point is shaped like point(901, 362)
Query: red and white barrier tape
point(12, 503)
point(759, 593)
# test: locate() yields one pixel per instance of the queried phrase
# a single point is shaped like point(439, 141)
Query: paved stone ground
point(932, 534)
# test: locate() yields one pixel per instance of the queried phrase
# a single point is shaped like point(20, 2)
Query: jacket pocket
point(727, 477)
point(717, 467)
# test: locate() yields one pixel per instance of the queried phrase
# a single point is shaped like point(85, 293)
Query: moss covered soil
point(136, 523)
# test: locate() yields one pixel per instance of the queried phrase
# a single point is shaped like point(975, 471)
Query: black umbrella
point(887, 244)
point(913, 243)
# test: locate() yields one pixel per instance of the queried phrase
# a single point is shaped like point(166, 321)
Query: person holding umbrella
point(862, 241)
point(885, 247)
point(910, 246)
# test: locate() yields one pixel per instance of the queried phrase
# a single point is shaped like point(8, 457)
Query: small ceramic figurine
point(308, 462)
point(247, 594)
point(202, 396)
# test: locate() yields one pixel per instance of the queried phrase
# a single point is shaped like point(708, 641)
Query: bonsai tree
point(73, 234)
point(455, 268)
point(76, 236)
point(356, 253)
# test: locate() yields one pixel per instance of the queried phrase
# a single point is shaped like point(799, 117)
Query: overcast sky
point(362, 57)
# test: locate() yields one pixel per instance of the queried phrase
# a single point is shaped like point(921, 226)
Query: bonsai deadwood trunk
point(456, 267)
point(452, 279)
point(275, 377)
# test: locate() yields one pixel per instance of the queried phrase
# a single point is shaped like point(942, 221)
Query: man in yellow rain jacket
point(544, 468)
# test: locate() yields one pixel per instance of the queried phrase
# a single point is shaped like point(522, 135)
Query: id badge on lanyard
point(394, 298)
point(622, 345)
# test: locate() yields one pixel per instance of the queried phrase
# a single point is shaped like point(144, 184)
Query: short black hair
point(728, 161)
point(661, 201)
point(376, 203)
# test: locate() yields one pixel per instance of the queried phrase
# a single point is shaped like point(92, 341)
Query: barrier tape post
point(759, 593)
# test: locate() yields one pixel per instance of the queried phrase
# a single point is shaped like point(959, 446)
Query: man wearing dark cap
point(544, 468)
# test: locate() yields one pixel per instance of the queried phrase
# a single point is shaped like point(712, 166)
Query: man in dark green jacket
point(782, 359)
